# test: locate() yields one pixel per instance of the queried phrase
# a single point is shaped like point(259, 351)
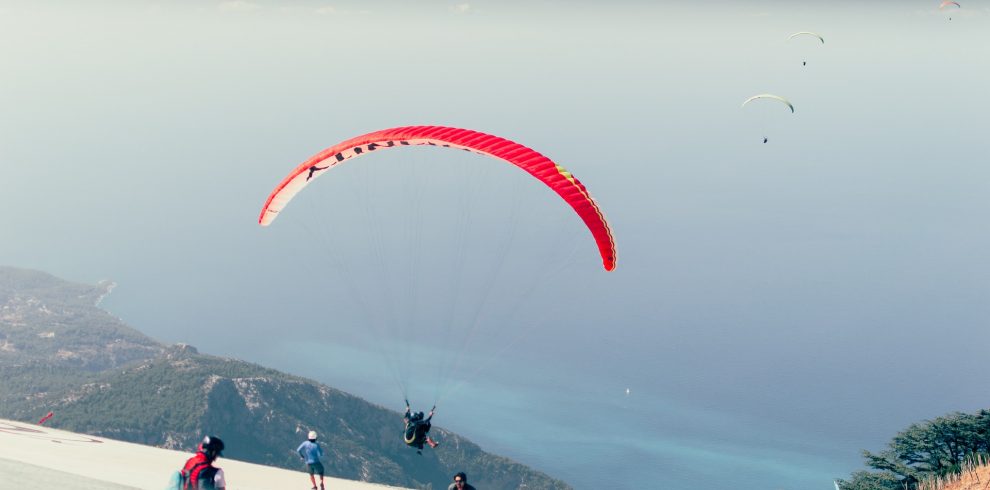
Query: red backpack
point(197, 468)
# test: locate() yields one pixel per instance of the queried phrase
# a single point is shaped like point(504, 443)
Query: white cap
point(312, 435)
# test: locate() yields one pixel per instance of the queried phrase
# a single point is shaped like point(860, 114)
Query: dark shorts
point(315, 468)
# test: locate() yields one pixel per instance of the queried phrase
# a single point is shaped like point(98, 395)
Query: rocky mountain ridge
point(59, 352)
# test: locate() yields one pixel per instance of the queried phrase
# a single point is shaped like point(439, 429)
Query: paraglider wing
point(769, 96)
point(808, 33)
point(947, 3)
point(537, 165)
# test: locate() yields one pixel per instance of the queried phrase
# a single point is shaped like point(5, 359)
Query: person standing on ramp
point(311, 452)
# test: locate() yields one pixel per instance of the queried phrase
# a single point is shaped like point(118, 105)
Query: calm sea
point(591, 434)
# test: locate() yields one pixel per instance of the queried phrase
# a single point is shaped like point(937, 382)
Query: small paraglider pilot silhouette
point(417, 429)
point(764, 140)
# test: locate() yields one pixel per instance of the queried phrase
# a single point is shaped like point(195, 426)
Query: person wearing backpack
point(199, 473)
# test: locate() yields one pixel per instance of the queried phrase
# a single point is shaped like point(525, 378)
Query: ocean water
point(591, 434)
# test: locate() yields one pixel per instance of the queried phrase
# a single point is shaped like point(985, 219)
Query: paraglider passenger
point(311, 452)
point(460, 483)
point(417, 429)
point(199, 472)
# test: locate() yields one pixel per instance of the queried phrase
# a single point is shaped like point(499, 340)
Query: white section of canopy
point(808, 33)
point(33, 456)
point(769, 96)
point(283, 196)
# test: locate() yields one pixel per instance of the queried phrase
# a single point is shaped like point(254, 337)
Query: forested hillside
point(926, 452)
point(61, 353)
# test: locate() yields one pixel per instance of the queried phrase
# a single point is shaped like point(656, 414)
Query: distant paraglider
point(772, 97)
point(807, 33)
point(950, 5)
point(46, 417)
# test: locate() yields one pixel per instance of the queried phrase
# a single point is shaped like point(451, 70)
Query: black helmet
point(212, 446)
point(419, 415)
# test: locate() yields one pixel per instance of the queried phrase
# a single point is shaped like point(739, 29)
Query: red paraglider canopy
point(537, 165)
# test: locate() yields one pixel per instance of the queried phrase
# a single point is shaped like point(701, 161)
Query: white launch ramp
point(36, 457)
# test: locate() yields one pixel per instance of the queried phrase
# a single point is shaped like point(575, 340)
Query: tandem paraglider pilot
point(418, 429)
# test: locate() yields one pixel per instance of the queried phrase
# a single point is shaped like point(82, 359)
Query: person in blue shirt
point(311, 452)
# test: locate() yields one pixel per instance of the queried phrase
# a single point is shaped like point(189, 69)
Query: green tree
point(933, 448)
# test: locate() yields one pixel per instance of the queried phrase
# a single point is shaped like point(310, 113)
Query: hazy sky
point(834, 280)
